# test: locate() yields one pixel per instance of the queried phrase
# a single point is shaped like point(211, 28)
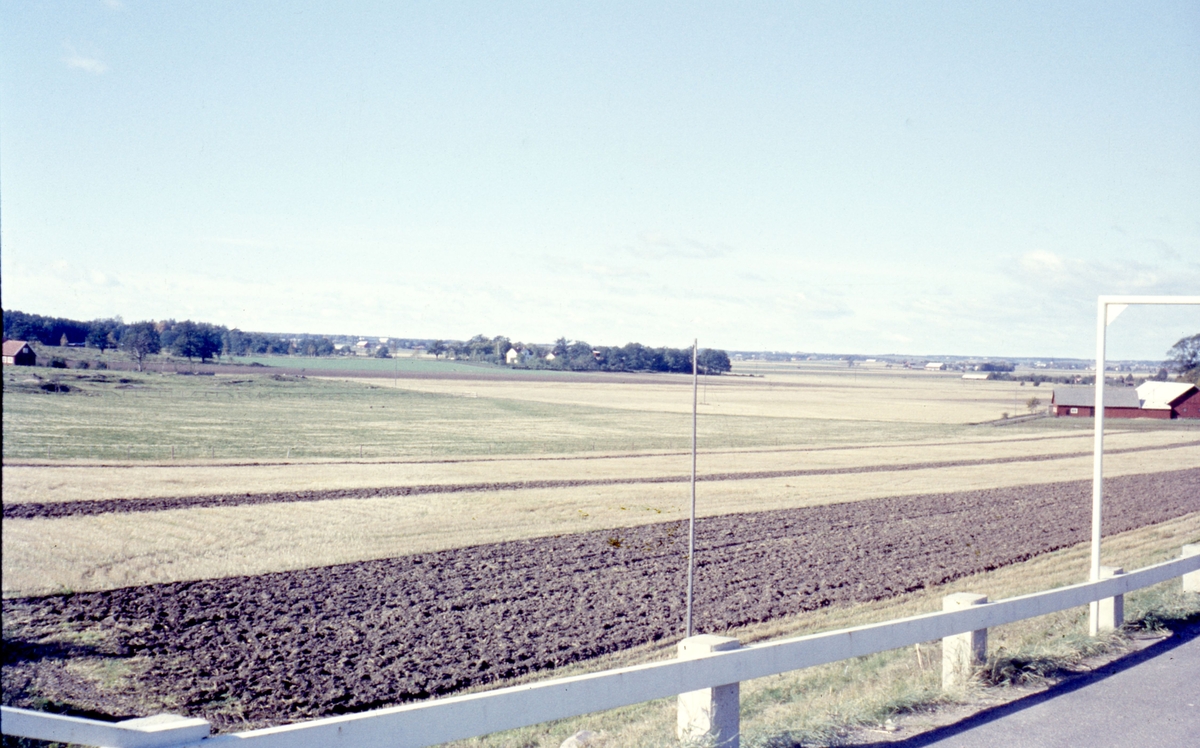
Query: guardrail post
point(1111, 610)
point(710, 716)
point(962, 653)
point(1191, 580)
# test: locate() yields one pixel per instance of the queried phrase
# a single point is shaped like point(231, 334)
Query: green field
point(377, 366)
point(403, 363)
point(124, 415)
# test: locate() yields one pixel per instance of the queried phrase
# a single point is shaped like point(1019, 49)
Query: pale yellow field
point(81, 481)
point(891, 396)
point(116, 550)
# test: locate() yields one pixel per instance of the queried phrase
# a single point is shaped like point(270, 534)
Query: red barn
point(1119, 402)
point(18, 353)
point(1169, 399)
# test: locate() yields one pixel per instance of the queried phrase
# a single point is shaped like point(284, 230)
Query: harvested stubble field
point(75, 534)
point(291, 645)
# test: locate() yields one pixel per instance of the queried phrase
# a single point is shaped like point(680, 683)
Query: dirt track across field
point(286, 646)
point(32, 510)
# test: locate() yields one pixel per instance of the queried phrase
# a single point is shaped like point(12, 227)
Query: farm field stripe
point(274, 648)
point(32, 510)
point(555, 458)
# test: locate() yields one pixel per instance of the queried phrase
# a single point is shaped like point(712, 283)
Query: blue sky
point(866, 178)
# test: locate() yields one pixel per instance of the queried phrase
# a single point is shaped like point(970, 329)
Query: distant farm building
point(1166, 399)
point(513, 356)
point(1119, 402)
point(935, 366)
point(982, 375)
point(18, 353)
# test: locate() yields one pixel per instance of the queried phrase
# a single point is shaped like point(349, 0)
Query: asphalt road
point(1151, 698)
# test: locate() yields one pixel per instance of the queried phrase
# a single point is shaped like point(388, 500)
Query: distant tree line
point(579, 355)
point(187, 339)
point(203, 342)
point(45, 330)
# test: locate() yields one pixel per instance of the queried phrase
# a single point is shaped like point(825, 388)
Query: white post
point(1111, 609)
point(692, 515)
point(1098, 459)
point(962, 653)
point(1107, 309)
point(1191, 580)
point(710, 716)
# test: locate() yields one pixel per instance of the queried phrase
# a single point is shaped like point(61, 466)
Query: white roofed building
point(1169, 399)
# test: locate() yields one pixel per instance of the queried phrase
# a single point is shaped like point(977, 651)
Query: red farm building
point(1169, 400)
point(18, 353)
point(1119, 402)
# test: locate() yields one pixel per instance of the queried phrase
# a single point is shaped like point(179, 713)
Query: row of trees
point(581, 356)
point(45, 330)
point(191, 340)
point(203, 341)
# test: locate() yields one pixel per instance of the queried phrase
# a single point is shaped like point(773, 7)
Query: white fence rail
point(459, 717)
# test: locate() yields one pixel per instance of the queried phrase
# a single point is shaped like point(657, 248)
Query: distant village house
point(18, 353)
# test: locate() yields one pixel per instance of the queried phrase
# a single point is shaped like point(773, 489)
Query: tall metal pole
point(1098, 460)
point(692, 516)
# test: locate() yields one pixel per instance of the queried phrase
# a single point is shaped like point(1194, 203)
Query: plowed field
point(280, 647)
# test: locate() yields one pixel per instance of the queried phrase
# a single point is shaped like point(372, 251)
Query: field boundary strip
point(49, 510)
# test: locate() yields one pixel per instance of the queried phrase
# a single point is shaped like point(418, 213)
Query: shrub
point(58, 362)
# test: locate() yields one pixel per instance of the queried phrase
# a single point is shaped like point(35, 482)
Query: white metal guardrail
point(459, 717)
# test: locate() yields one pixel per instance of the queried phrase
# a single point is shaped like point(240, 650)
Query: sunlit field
point(517, 459)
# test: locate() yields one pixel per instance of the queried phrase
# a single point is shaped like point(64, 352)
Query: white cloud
point(1039, 261)
point(78, 61)
point(657, 245)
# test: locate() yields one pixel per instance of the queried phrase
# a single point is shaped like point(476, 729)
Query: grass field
point(107, 415)
point(403, 363)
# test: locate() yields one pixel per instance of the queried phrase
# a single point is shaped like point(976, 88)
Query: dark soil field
point(274, 648)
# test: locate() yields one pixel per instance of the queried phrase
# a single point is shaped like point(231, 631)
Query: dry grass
point(891, 396)
point(86, 481)
point(115, 550)
point(105, 551)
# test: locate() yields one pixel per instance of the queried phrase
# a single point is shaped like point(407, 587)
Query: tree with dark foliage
point(195, 340)
point(140, 340)
point(103, 333)
point(1184, 358)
